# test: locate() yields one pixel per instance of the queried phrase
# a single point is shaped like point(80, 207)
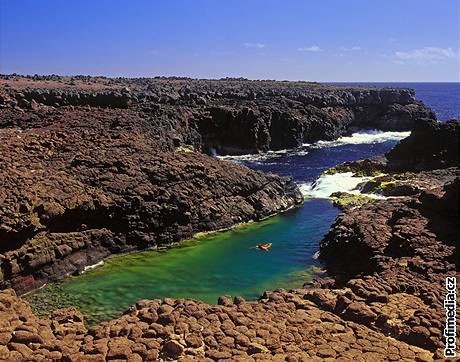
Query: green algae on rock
point(358, 168)
point(344, 200)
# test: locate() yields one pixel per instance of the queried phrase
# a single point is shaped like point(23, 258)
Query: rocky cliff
point(383, 302)
point(72, 196)
point(228, 116)
point(389, 261)
point(431, 145)
point(79, 183)
point(96, 166)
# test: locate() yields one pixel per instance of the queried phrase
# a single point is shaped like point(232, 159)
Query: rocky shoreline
point(84, 201)
point(82, 182)
point(388, 259)
point(100, 166)
point(227, 116)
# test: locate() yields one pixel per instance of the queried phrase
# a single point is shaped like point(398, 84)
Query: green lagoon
point(202, 268)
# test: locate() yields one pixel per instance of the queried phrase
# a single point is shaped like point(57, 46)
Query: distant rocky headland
point(93, 167)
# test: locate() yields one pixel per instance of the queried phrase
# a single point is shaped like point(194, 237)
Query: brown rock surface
point(285, 326)
point(97, 166)
point(229, 115)
point(71, 196)
point(389, 308)
point(389, 260)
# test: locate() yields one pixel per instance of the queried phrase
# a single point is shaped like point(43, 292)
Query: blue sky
point(328, 40)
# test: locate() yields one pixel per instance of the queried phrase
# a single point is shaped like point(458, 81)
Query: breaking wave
point(362, 137)
point(325, 185)
point(270, 155)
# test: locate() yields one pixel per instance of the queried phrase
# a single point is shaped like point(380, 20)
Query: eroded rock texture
point(431, 145)
point(72, 196)
point(228, 116)
point(283, 326)
point(96, 166)
point(388, 259)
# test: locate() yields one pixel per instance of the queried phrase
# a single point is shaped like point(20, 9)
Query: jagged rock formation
point(431, 145)
point(94, 167)
point(229, 116)
point(388, 259)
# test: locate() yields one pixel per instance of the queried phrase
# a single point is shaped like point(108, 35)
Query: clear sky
point(318, 40)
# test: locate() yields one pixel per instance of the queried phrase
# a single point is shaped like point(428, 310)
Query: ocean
point(442, 98)
point(227, 262)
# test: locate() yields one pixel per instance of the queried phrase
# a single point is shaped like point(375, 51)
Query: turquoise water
point(222, 263)
point(203, 268)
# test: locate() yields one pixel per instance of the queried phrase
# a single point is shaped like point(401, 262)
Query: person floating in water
point(264, 247)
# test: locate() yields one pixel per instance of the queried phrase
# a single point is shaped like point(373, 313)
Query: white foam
point(325, 185)
point(270, 155)
point(362, 137)
point(89, 267)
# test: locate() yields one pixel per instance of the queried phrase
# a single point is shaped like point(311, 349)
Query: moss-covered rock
point(384, 185)
point(344, 200)
point(360, 168)
point(391, 185)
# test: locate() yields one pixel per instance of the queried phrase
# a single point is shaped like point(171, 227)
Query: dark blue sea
point(307, 164)
point(442, 98)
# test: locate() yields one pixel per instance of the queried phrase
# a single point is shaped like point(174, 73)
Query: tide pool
point(202, 268)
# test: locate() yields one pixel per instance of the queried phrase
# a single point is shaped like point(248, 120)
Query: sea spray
point(270, 155)
point(325, 185)
point(362, 137)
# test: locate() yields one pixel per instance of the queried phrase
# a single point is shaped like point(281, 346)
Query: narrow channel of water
point(227, 262)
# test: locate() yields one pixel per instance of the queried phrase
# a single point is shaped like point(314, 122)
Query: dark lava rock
point(76, 190)
point(431, 145)
point(394, 255)
point(230, 116)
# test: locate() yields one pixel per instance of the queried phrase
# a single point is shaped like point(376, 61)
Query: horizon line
point(226, 77)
